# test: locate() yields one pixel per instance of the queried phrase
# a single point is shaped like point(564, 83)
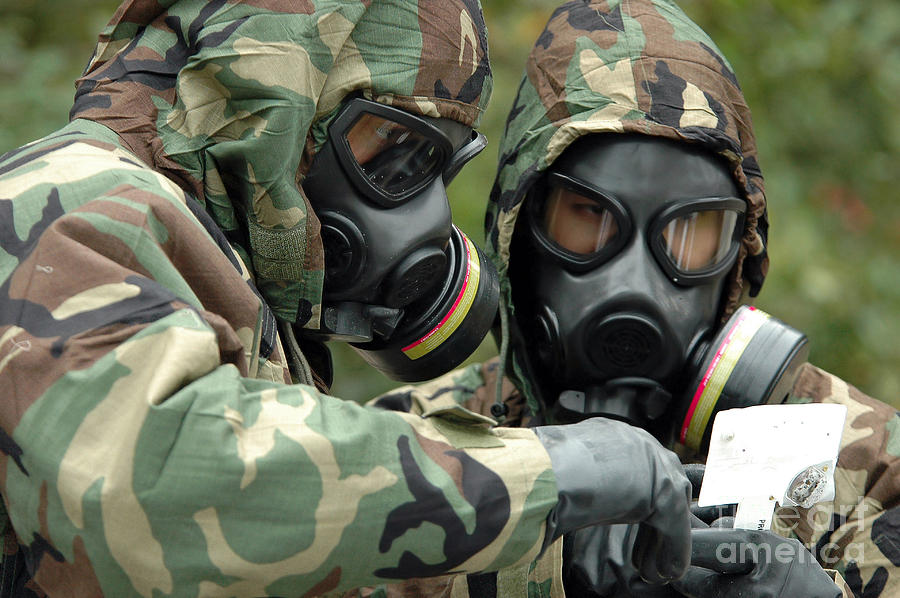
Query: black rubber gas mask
point(627, 241)
point(403, 285)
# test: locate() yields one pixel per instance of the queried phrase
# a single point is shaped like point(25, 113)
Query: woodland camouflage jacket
point(152, 443)
point(643, 66)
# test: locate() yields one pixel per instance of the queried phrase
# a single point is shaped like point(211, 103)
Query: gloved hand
point(596, 563)
point(610, 472)
point(756, 564)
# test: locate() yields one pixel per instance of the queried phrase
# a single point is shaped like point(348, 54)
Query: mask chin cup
point(637, 401)
point(440, 330)
point(753, 360)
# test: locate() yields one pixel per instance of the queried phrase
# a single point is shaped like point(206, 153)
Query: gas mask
point(410, 292)
point(627, 243)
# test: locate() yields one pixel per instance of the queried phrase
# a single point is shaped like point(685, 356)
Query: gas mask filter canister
point(753, 360)
point(444, 327)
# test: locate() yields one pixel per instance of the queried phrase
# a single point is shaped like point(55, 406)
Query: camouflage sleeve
point(142, 456)
point(474, 387)
point(858, 533)
point(541, 578)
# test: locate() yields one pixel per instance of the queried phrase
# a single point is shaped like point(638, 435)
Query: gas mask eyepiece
point(390, 155)
point(396, 268)
point(692, 240)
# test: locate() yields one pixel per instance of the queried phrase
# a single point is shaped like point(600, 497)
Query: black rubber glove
point(757, 564)
point(597, 563)
point(610, 472)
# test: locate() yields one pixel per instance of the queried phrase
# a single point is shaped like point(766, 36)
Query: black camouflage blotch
point(213, 229)
point(545, 39)
point(750, 166)
point(269, 327)
point(494, 235)
point(712, 140)
point(667, 93)
point(395, 401)
point(11, 448)
point(35, 551)
point(304, 312)
point(30, 157)
point(481, 487)
point(472, 88)
point(474, 85)
point(488, 220)
point(510, 199)
point(441, 91)
point(9, 238)
point(29, 148)
point(724, 70)
point(884, 528)
point(586, 18)
point(517, 107)
point(152, 303)
point(753, 272)
point(821, 548)
point(155, 74)
point(14, 576)
point(719, 109)
point(467, 390)
point(482, 585)
point(130, 162)
point(873, 589)
point(34, 153)
point(86, 100)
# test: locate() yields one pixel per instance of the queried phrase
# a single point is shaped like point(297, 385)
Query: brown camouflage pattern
point(150, 444)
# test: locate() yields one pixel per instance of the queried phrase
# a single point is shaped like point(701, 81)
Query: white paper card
point(754, 513)
point(768, 453)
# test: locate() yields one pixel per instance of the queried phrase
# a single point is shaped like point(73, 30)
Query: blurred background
point(822, 78)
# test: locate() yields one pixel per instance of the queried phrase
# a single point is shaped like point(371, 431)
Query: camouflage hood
point(231, 100)
point(636, 66)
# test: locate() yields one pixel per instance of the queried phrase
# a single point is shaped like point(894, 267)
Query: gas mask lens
point(692, 240)
point(393, 157)
point(699, 240)
point(578, 223)
point(390, 155)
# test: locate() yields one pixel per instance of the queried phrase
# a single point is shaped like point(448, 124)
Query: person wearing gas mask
point(628, 223)
point(238, 182)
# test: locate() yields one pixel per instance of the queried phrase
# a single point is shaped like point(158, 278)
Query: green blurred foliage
point(821, 76)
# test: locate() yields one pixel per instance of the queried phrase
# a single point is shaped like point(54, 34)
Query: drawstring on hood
point(622, 66)
point(230, 100)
